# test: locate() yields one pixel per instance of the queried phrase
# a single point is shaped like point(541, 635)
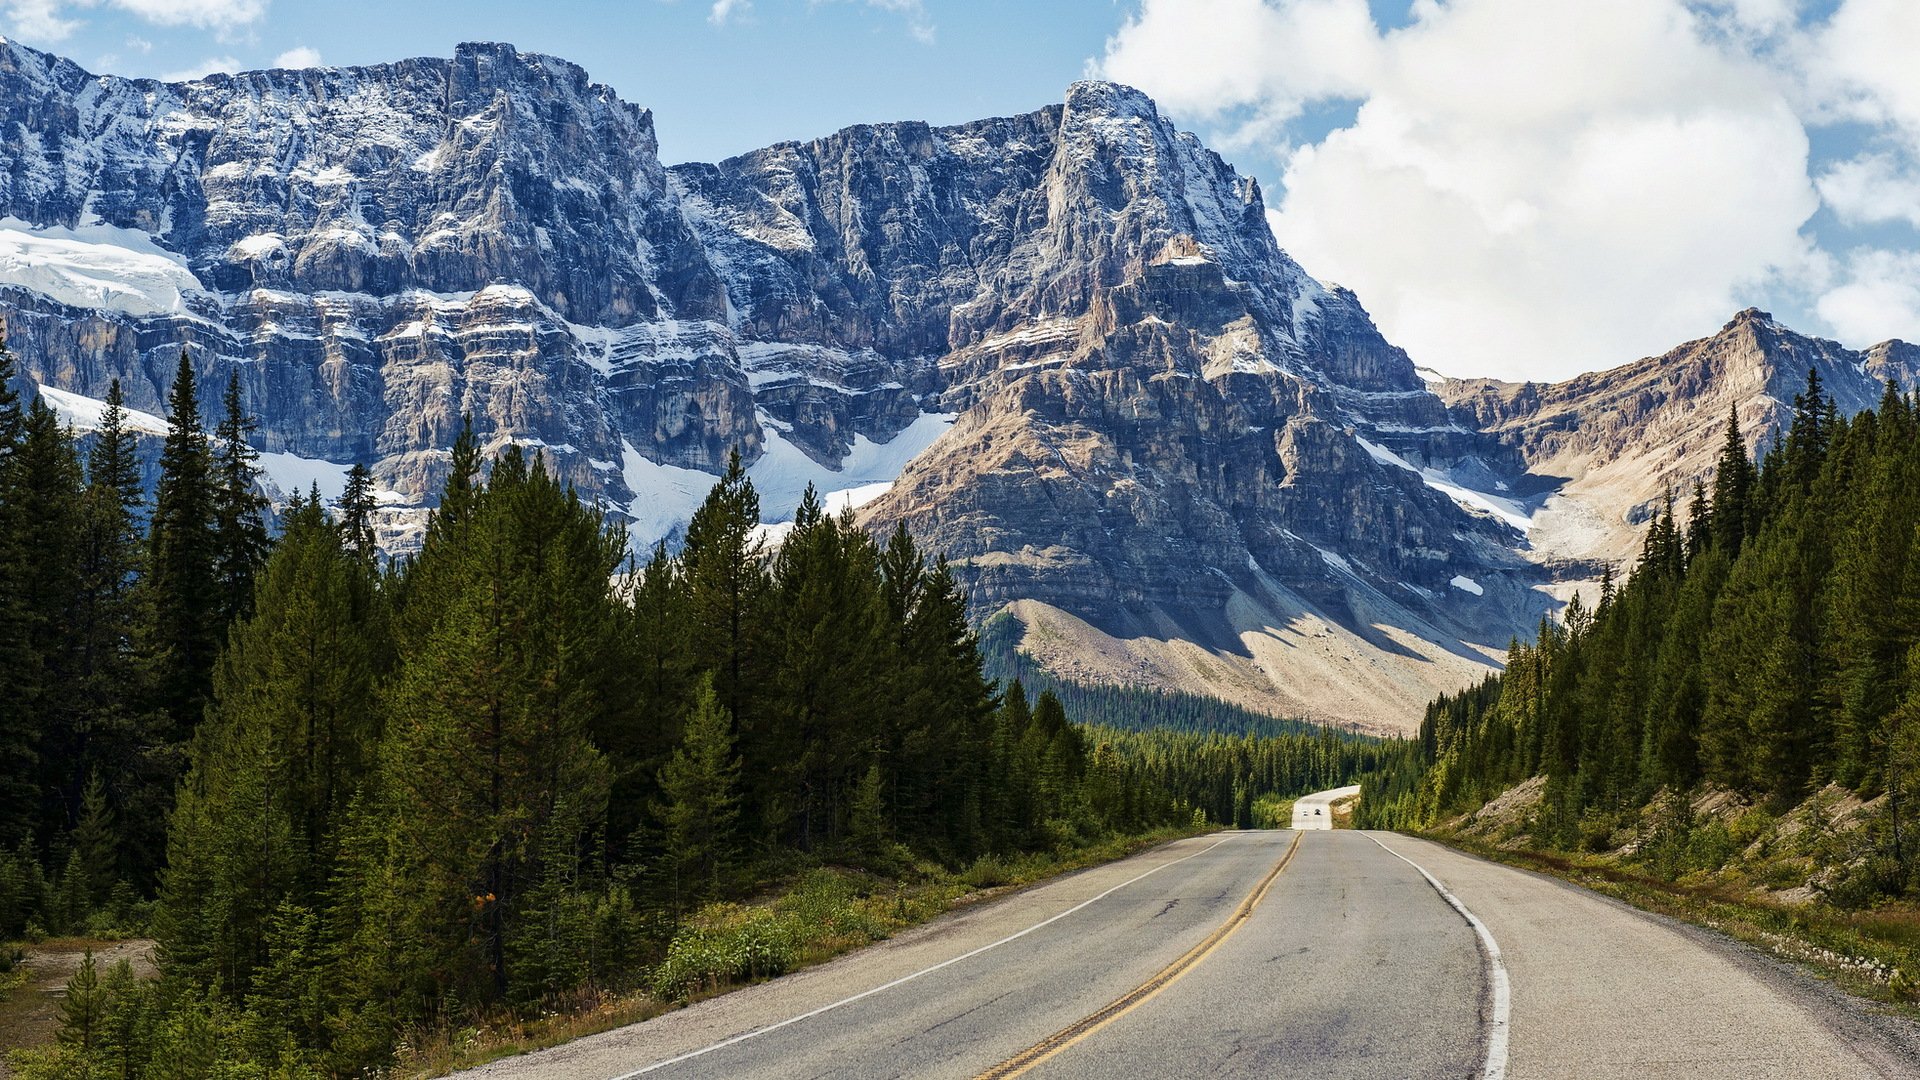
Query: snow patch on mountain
point(95, 266)
point(85, 414)
point(287, 475)
point(867, 472)
point(664, 496)
point(1511, 511)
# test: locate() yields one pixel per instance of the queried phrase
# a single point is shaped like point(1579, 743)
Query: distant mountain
point(1062, 347)
point(1613, 443)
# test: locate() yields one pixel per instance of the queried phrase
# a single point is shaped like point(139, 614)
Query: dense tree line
point(1764, 642)
point(111, 614)
point(1224, 776)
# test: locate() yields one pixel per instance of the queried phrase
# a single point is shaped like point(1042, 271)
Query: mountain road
point(1324, 954)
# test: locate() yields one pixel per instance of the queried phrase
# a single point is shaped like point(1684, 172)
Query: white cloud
point(39, 21)
point(1527, 190)
point(302, 56)
point(918, 23)
point(1859, 64)
point(1201, 58)
point(1878, 299)
point(915, 11)
point(205, 14)
point(202, 69)
point(1870, 189)
point(47, 21)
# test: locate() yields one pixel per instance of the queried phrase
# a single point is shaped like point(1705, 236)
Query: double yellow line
point(1145, 992)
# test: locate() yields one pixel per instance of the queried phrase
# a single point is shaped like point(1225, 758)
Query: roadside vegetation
point(1733, 735)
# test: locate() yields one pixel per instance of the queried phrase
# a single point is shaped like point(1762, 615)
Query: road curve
point(1196, 959)
point(1315, 811)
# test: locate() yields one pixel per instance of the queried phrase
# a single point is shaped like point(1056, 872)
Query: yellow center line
point(1145, 992)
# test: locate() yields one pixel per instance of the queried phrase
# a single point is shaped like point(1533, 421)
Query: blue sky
point(777, 69)
point(1516, 187)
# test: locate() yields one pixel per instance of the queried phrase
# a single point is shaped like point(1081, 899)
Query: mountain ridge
point(1063, 346)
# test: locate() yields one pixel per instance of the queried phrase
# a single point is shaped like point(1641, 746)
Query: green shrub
point(748, 944)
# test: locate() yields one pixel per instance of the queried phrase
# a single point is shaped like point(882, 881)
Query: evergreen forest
point(1765, 643)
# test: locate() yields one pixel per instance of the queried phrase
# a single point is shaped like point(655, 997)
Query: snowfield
point(95, 266)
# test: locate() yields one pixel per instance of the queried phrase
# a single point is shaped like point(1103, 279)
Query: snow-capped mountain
point(1063, 347)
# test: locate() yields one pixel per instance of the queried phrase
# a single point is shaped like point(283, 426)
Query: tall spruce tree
point(490, 792)
point(183, 596)
point(286, 745)
point(726, 588)
point(45, 493)
point(357, 506)
point(113, 737)
point(239, 509)
point(19, 731)
point(700, 802)
point(1733, 483)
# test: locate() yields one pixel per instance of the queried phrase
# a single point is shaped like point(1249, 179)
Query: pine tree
point(357, 506)
point(826, 622)
point(239, 525)
point(107, 620)
point(1733, 482)
point(490, 789)
point(95, 840)
point(183, 589)
point(700, 802)
point(19, 729)
point(664, 672)
point(726, 583)
point(83, 1009)
point(42, 493)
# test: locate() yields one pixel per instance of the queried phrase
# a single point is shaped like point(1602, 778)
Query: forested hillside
point(1764, 643)
point(355, 801)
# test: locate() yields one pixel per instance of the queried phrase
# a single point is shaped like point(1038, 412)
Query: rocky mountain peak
point(1063, 347)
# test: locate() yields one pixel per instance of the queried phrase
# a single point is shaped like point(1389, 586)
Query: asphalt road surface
point(1273, 954)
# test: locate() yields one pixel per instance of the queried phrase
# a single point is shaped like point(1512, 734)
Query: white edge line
point(757, 1032)
point(1496, 1063)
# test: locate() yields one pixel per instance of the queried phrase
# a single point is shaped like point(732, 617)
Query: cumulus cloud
point(302, 56)
point(205, 14)
point(39, 21)
point(1878, 297)
point(48, 21)
point(1872, 188)
point(202, 69)
point(1204, 58)
point(1531, 190)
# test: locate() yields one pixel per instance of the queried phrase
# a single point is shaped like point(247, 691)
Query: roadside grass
point(814, 916)
point(1873, 954)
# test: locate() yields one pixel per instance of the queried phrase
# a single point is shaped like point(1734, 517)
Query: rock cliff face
point(1063, 347)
